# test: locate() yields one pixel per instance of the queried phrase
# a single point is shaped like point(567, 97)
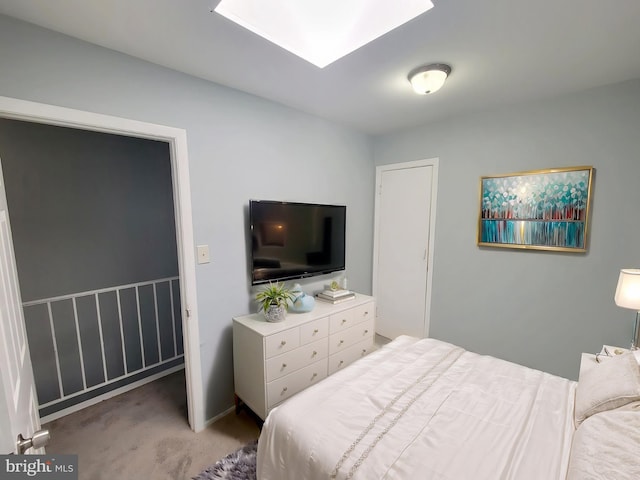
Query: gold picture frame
point(538, 210)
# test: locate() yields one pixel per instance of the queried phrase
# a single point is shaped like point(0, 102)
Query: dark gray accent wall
point(90, 339)
point(88, 210)
point(42, 351)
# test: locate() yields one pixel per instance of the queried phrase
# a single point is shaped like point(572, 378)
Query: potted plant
point(274, 300)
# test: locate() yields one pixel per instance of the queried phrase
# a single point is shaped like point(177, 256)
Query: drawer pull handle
point(314, 353)
point(314, 376)
point(341, 362)
point(341, 342)
point(315, 331)
point(364, 350)
point(366, 331)
point(283, 343)
point(284, 391)
point(344, 320)
point(365, 314)
point(284, 365)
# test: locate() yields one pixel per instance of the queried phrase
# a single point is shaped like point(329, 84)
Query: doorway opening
point(93, 227)
point(173, 294)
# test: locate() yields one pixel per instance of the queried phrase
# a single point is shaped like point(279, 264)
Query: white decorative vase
point(275, 313)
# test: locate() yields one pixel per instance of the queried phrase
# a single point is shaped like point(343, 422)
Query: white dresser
point(273, 361)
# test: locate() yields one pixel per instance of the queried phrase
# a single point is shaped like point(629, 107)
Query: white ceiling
point(501, 51)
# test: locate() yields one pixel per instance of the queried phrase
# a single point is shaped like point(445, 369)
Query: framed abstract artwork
point(539, 210)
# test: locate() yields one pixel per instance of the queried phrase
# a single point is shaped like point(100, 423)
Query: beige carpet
point(143, 434)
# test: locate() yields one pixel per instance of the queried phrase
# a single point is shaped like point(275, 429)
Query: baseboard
point(108, 395)
point(219, 416)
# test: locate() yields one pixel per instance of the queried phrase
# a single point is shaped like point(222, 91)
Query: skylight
point(321, 31)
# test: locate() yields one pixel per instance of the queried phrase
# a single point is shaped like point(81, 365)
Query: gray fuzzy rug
point(239, 465)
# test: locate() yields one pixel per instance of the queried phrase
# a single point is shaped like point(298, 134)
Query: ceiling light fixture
point(321, 31)
point(429, 78)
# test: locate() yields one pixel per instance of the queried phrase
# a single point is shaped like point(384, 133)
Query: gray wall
point(240, 147)
point(540, 309)
point(88, 210)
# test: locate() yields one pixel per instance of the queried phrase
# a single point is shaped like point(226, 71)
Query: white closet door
point(402, 248)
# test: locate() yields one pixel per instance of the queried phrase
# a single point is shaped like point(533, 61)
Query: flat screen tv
point(295, 240)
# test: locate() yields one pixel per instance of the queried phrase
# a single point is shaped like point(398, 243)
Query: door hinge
point(380, 189)
point(188, 312)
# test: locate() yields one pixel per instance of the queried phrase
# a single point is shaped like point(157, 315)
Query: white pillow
point(607, 445)
point(606, 386)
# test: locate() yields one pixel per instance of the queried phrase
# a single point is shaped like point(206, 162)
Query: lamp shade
point(628, 290)
point(430, 78)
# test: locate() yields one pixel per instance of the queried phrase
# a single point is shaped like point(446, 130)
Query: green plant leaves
point(274, 294)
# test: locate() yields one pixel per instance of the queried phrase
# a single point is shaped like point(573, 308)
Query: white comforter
point(423, 409)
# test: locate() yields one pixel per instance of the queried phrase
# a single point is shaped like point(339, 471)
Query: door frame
point(380, 169)
point(17, 109)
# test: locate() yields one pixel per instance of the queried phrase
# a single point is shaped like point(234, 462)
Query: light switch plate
point(203, 254)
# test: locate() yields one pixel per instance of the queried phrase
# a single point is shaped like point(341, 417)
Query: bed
point(422, 408)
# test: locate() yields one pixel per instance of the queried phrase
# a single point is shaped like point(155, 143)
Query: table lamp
point(628, 296)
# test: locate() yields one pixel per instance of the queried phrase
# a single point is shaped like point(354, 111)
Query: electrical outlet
point(203, 254)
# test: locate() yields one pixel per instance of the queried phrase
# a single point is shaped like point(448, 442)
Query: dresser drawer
point(312, 331)
point(341, 340)
point(281, 342)
point(289, 362)
point(349, 355)
point(364, 312)
point(341, 321)
point(289, 385)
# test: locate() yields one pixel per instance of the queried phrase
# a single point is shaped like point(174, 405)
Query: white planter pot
point(275, 313)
